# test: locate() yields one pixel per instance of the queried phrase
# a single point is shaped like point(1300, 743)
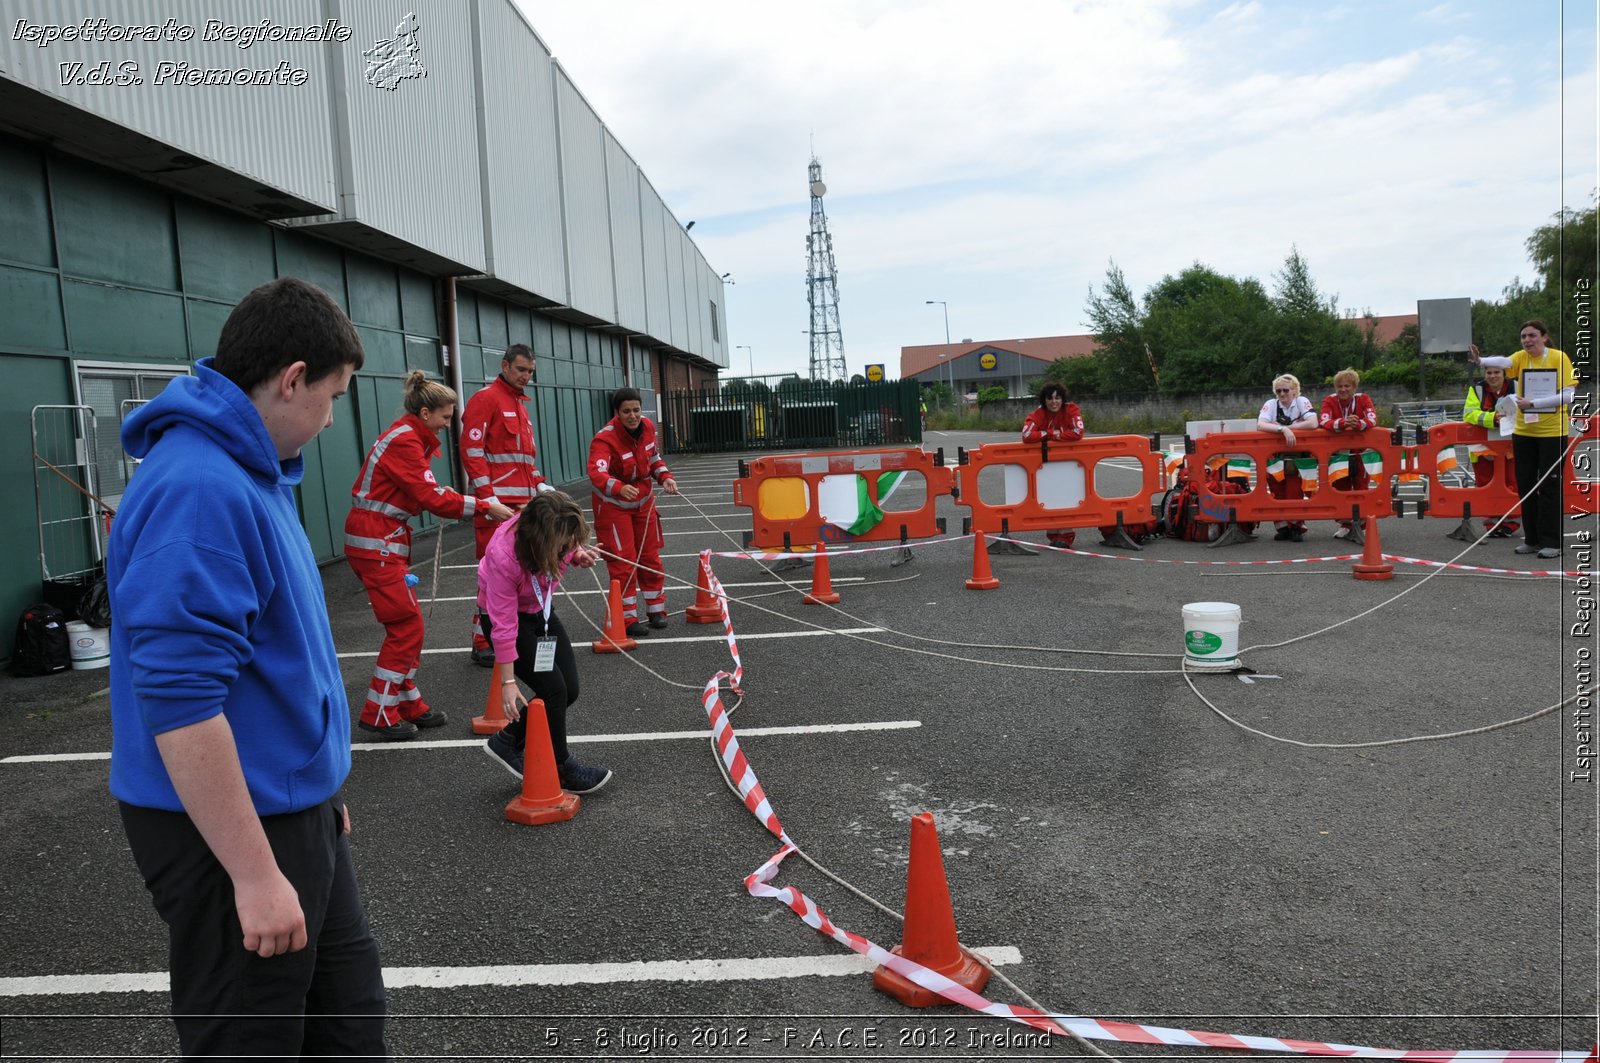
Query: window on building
point(716, 335)
point(113, 393)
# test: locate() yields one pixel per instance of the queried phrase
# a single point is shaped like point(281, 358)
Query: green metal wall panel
point(205, 326)
point(467, 315)
point(109, 321)
point(385, 351)
point(29, 382)
point(364, 399)
point(374, 292)
point(224, 256)
point(325, 491)
point(519, 325)
point(422, 353)
point(30, 305)
point(542, 344)
point(321, 264)
point(24, 205)
point(492, 324)
point(417, 310)
point(560, 340)
point(111, 227)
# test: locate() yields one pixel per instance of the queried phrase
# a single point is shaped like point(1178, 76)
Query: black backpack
point(42, 647)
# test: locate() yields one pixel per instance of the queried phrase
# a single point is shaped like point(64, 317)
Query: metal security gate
point(72, 524)
point(793, 414)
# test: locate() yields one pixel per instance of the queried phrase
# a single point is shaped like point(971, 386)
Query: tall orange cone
point(614, 639)
point(822, 592)
point(494, 717)
point(542, 800)
point(982, 578)
point(1372, 565)
point(705, 609)
point(930, 927)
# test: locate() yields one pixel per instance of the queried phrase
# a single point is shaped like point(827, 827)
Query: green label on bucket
point(1201, 643)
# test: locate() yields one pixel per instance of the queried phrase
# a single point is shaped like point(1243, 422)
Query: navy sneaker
point(636, 630)
point(504, 752)
point(431, 718)
point(398, 731)
point(658, 620)
point(577, 778)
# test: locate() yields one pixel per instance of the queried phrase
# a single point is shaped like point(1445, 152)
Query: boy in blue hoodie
point(230, 728)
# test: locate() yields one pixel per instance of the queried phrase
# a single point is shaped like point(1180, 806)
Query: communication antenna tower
point(822, 288)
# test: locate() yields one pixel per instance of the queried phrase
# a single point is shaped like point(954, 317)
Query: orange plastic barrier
point(1265, 449)
point(1581, 490)
point(787, 507)
point(1435, 453)
point(1047, 466)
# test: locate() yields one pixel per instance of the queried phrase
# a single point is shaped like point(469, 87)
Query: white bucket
point(90, 646)
point(1211, 635)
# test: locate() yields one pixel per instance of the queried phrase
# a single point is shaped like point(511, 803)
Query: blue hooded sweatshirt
point(218, 605)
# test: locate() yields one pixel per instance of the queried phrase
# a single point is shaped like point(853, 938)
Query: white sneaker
point(1342, 533)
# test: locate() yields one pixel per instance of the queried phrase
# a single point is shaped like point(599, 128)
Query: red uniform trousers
point(1288, 487)
point(1357, 480)
point(633, 533)
point(393, 693)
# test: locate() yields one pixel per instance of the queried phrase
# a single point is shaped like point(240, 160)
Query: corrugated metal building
point(158, 163)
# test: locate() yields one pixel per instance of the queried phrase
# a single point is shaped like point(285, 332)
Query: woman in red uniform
point(623, 463)
point(1348, 410)
point(1056, 419)
point(396, 484)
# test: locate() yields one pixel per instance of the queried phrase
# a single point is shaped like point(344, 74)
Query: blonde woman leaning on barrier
point(1538, 441)
point(1283, 413)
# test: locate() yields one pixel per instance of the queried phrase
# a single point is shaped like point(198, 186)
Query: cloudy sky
point(999, 155)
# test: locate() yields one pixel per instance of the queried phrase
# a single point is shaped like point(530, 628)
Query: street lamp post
point(947, 359)
point(747, 347)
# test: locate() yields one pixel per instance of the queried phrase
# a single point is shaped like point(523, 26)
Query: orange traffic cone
point(1372, 565)
point(705, 609)
point(930, 926)
point(982, 579)
point(494, 717)
point(822, 592)
point(1594, 1054)
point(614, 639)
point(542, 800)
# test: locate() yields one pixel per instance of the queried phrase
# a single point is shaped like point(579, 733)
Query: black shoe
point(1296, 535)
point(1283, 534)
point(431, 718)
point(636, 630)
point(1500, 532)
point(483, 658)
point(579, 778)
point(395, 732)
point(658, 620)
point(504, 752)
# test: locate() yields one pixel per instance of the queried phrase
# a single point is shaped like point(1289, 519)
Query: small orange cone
point(542, 800)
point(1372, 565)
point(930, 927)
point(1594, 1054)
point(822, 592)
point(704, 610)
point(494, 717)
point(614, 639)
point(982, 579)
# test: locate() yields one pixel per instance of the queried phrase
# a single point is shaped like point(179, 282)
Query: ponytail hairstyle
point(424, 394)
point(546, 528)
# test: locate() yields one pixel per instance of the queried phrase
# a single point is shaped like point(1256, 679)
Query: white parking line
point(657, 640)
point(731, 969)
point(461, 743)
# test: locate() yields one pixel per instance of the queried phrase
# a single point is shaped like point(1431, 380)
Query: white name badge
point(544, 656)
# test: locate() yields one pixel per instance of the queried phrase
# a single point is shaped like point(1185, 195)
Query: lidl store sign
point(988, 362)
point(875, 373)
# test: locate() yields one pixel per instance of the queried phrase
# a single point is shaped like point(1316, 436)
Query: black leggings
point(1541, 512)
point(557, 688)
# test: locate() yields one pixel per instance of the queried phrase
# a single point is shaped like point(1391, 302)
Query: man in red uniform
point(498, 451)
point(623, 460)
point(1348, 410)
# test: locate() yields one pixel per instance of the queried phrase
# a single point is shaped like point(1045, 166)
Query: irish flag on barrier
point(1339, 468)
point(1307, 467)
point(847, 505)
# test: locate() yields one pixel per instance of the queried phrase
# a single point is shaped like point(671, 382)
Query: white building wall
point(583, 183)
point(627, 238)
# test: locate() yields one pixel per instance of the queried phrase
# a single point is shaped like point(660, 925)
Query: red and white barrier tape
point(759, 884)
point(1481, 568)
point(1174, 561)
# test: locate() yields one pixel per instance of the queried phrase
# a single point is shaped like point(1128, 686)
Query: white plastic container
point(90, 646)
point(1211, 635)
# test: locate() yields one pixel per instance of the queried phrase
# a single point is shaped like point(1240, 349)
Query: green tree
point(993, 393)
point(1208, 331)
point(1309, 337)
point(1123, 361)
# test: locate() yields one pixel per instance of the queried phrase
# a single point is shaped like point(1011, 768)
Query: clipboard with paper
point(1536, 384)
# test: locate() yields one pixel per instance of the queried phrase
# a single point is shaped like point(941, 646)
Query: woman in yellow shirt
point(1539, 440)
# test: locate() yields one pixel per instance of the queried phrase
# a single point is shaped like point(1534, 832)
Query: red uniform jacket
point(616, 458)
point(498, 442)
point(396, 483)
point(1042, 424)
point(1334, 412)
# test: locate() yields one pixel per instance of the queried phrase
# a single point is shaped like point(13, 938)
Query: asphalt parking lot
point(1123, 850)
